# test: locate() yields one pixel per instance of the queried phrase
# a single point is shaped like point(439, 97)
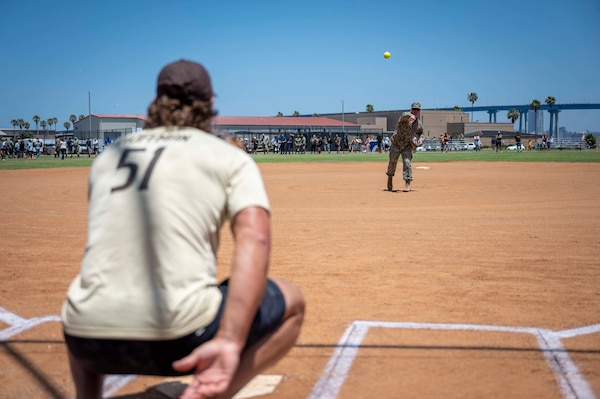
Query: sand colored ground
point(499, 244)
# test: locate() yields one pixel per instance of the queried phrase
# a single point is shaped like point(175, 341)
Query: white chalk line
point(570, 381)
point(17, 325)
point(572, 384)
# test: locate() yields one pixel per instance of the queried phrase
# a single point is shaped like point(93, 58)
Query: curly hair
point(167, 111)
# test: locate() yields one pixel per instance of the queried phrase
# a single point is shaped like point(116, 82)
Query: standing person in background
point(37, 148)
point(70, 146)
point(274, 146)
point(3, 149)
point(379, 143)
point(404, 142)
point(303, 143)
point(282, 142)
point(477, 142)
point(289, 144)
point(298, 143)
point(265, 143)
point(444, 143)
point(76, 146)
point(518, 142)
point(30, 149)
point(544, 141)
point(147, 300)
point(57, 147)
point(88, 146)
point(499, 142)
point(18, 149)
point(63, 148)
point(367, 144)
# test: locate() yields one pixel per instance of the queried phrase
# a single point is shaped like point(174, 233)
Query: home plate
point(260, 385)
point(422, 167)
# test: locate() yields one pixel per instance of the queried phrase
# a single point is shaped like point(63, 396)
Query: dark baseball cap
point(185, 80)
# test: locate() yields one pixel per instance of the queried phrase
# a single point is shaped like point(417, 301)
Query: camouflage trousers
point(406, 154)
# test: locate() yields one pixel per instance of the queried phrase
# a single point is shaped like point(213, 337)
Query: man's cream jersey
point(157, 200)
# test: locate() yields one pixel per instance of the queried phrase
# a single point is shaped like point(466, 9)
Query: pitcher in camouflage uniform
point(403, 143)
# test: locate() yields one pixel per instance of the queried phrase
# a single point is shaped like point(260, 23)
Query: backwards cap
point(184, 80)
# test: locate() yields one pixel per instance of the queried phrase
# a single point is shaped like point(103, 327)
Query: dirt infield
point(484, 281)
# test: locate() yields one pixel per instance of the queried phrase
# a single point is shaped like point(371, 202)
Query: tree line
point(43, 123)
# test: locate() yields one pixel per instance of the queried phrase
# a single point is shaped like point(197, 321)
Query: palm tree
point(535, 105)
point(472, 98)
point(456, 108)
point(81, 117)
point(280, 113)
point(513, 115)
point(67, 125)
point(43, 125)
point(50, 121)
point(550, 100)
point(73, 119)
point(370, 108)
point(55, 121)
point(296, 113)
point(315, 115)
point(36, 119)
point(14, 123)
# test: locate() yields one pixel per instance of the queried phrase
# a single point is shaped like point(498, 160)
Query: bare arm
point(217, 360)
point(252, 236)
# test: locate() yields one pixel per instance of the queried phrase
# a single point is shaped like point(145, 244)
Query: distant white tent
point(2, 133)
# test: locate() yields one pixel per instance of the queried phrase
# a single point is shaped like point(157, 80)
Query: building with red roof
point(112, 126)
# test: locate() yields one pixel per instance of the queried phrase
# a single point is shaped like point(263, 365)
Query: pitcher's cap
point(415, 106)
point(184, 80)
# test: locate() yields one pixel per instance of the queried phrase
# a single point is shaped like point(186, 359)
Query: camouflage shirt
point(407, 134)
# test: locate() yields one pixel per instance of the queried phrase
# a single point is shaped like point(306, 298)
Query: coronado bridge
point(524, 109)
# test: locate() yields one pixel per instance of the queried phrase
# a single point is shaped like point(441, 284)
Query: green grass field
point(429, 156)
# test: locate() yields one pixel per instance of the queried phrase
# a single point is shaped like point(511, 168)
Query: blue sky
point(310, 56)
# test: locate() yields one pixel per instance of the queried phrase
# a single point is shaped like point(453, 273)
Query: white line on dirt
point(570, 381)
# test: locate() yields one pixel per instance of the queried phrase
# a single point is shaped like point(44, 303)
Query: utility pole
point(90, 114)
point(342, 116)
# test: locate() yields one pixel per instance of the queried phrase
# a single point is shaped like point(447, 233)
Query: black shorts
point(118, 356)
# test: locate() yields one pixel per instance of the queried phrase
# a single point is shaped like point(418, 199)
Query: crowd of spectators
point(63, 147)
point(299, 143)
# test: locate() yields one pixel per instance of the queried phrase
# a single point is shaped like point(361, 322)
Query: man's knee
point(294, 298)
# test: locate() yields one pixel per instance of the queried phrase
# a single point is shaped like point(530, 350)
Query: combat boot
point(390, 183)
point(407, 186)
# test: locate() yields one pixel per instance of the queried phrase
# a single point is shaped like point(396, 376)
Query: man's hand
point(215, 363)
